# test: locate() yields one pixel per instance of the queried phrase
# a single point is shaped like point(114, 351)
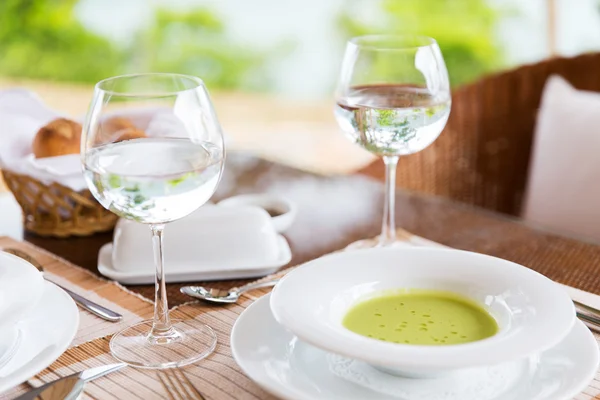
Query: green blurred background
point(45, 39)
point(272, 46)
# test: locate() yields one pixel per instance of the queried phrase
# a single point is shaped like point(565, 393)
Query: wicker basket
point(56, 210)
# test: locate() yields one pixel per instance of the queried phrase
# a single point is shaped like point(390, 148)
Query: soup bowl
point(532, 312)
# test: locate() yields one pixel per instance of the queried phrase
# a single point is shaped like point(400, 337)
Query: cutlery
point(84, 303)
point(69, 387)
point(178, 385)
point(232, 295)
point(225, 296)
point(590, 321)
point(587, 308)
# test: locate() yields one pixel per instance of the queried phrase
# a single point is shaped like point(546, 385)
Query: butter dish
point(212, 243)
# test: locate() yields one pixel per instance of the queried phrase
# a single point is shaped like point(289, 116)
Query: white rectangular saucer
point(202, 273)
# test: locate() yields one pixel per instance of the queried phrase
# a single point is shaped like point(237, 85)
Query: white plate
point(201, 273)
point(291, 369)
point(56, 318)
point(17, 276)
point(533, 312)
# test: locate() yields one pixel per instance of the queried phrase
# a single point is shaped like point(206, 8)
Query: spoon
point(226, 296)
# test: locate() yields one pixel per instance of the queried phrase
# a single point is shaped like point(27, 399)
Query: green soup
point(423, 317)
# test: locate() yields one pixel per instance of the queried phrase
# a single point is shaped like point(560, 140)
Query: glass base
point(187, 342)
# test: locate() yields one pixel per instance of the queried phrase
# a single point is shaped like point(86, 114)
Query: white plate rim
point(217, 273)
point(286, 392)
point(272, 387)
point(37, 365)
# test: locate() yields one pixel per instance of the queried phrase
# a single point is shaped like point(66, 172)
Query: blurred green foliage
point(464, 29)
point(194, 42)
point(42, 39)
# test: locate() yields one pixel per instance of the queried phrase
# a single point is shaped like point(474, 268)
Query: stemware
point(393, 99)
point(152, 151)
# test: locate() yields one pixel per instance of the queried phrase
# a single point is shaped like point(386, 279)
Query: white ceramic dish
point(11, 220)
point(533, 313)
point(200, 271)
point(265, 201)
point(216, 237)
point(290, 369)
point(17, 276)
point(213, 243)
point(50, 328)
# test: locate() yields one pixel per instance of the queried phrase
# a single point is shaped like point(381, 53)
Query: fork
point(178, 385)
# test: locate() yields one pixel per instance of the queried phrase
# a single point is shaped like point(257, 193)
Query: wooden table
point(335, 211)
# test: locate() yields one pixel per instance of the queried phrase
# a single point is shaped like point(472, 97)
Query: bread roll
point(58, 138)
point(117, 129)
point(116, 124)
point(131, 133)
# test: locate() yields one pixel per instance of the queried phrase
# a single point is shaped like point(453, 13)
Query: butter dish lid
point(206, 243)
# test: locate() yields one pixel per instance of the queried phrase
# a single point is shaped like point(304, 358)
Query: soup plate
point(533, 313)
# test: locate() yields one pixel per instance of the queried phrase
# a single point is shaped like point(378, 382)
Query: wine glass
point(393, 99)
point(152, 151)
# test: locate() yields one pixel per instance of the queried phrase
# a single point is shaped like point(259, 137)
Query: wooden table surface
point(337, 210)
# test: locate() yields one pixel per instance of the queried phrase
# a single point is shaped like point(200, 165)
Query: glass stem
point(161, 325)
point(388, 229)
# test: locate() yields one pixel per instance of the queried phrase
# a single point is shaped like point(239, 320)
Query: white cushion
point(563, 191)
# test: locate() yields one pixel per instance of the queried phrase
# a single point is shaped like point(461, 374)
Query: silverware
point(84, 303)
point(94, 308)
point(587, 308)
point(225, 296)
point(232, 295)
point(590, 316)
point(590, 321)
point(70, 387)
point(178, 385)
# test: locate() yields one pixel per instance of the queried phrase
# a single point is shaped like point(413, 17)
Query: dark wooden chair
point(482, 157)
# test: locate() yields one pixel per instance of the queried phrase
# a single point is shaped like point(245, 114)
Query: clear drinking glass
point(393, 99)
point(152, 151)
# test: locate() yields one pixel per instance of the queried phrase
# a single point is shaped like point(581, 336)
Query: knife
point(69, 387)
point(94, 308)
